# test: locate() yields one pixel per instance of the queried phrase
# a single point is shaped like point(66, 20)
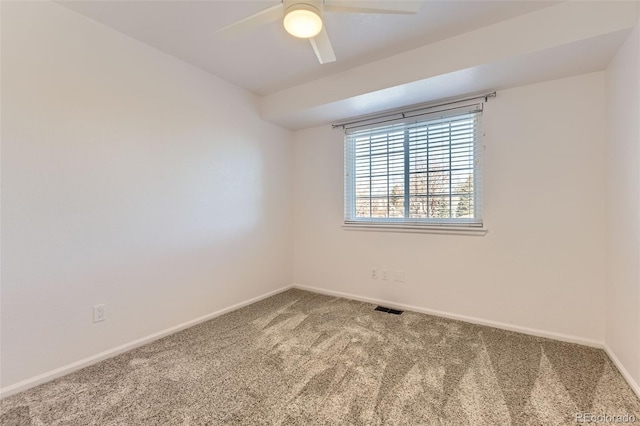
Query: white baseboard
point(635, 386)
point(510, 327)
point(69, 368)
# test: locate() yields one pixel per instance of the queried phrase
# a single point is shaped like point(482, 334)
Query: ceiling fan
point(304, 19)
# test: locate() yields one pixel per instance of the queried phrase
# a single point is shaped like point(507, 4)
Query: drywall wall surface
point(542, 263)
point(129, 179)
point(623, 206)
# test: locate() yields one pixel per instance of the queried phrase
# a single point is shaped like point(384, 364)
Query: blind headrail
point(404, 113)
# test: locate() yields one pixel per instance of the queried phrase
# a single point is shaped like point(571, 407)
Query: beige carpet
point(300, 358)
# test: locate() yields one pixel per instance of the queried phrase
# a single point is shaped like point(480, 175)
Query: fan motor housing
point(311, 5)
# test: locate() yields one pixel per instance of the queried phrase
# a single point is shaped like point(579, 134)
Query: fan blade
point(359, 6)
point(254, 21)
point(322, 46)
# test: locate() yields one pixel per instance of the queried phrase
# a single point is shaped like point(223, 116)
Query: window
point(419, 172)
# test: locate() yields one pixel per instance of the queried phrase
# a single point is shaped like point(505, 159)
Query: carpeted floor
point(300, 358)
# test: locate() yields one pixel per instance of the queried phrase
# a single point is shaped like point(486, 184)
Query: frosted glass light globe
point(302, 22)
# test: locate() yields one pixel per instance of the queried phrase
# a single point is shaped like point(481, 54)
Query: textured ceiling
point(268, 60)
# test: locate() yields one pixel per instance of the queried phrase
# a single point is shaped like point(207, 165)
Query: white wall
point(131, 179)
point(623, 206)
point(542, 263)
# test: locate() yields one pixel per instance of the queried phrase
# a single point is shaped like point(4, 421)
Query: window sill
point(472, 230)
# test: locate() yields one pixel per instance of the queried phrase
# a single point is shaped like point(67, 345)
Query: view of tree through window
point(419, 172)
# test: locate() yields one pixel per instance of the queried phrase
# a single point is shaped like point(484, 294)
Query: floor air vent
point(388, 310)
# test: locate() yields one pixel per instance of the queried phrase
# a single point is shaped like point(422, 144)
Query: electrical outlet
point(399, 276)
point(374, 274)
point(98, 313)
point(385, 275)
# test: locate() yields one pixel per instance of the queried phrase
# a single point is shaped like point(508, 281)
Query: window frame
point(471, 226)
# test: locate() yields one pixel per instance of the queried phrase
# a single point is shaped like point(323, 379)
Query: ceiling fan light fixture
point(303, 21)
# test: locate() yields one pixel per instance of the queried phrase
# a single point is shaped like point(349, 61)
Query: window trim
point(427, 225)
point(472, 230)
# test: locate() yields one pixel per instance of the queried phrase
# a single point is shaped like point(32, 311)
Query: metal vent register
point(388, 310)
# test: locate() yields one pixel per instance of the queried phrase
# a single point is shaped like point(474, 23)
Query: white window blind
point(422, 171)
